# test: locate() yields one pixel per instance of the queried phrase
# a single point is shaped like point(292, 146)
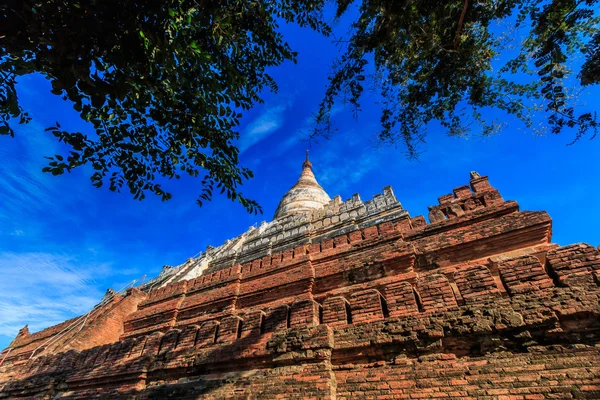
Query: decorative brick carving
point(304, 313)
point(524, 274)
point(454, 210)
point(476, 283)
point(418, 222)
point(336, 311)
point(436, 215)
point(401, 299)
point(435, 292)
point(367, 306)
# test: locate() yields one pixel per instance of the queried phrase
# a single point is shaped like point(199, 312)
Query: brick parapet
point(379, 252)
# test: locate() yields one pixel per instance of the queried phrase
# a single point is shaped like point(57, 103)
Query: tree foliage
point(164, 83)
point(161, 82)
point(437, 61)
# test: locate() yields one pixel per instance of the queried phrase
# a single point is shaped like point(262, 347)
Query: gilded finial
point(306, 162)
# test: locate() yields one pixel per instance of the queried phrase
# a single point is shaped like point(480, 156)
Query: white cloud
point(26, 192)
point(302, 135)
point(48, 274)
point(345, 160)
point(43, 289)
point(342, 173)
point(262, 127)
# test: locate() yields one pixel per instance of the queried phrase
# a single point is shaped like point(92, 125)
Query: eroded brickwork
point(477, 303)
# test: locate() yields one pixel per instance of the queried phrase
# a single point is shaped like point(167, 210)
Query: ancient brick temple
point(342, 300)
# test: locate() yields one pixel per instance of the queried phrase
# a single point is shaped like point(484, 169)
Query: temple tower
point(305, 196)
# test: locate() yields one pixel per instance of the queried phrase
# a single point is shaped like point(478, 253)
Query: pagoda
point(341, 300)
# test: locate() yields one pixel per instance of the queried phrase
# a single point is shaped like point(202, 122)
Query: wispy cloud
point(341, 174)
point(302, 135)
point(44, 289)
point(61, 243)
point(44, 280)
point(263, 126)
point(341, 167)
point(28, 193)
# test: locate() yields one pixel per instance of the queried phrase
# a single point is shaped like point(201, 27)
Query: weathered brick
point(524, 274)
point(574, 264)
point(435, 292)
point(401, 299)
point(476, 283)
point(367, 306)
point(229, 329)
point(336, 311)
point(304, 313)
point(276, 318)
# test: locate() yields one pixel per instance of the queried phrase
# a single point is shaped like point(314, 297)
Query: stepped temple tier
point(342, 300)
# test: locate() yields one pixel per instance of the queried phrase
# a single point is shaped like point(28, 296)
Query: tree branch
point(460, 23)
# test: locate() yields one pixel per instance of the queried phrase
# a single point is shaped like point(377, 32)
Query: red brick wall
point(506, 376)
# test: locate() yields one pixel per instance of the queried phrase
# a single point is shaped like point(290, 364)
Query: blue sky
point(64, 242)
